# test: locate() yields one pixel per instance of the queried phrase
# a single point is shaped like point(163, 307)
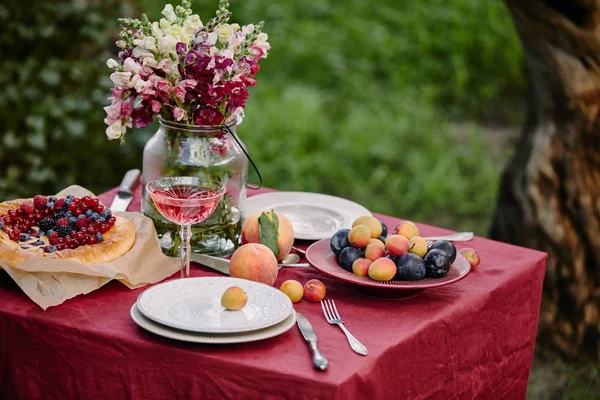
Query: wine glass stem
point(185, 233)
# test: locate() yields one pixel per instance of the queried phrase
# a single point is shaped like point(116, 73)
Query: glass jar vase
point(207, 152)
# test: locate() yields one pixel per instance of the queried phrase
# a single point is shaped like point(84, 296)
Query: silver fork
point(333, 317)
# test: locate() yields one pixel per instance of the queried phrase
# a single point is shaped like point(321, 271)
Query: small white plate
point(314, 216)
point(194, 304)
point(193, 337)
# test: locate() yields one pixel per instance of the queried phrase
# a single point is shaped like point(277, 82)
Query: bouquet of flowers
point(182, 70)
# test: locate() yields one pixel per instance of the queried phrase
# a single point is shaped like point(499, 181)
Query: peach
point(361, 266)
point(377, 242)
point(314, 290)
point(293, 289)
point(285, 234)
point(406, 229)
point(359, 236)
point(373, 252)
point(472, 256)
point(234, 298)
point(417, 245)
point(255, 262)
point(382, 269)
point(370, 222)
point(397, 245)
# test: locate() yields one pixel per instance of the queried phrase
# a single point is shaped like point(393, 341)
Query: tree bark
point(550, 191)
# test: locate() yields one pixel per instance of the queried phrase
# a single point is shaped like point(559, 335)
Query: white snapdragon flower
point(224, 32)
point(145, 56)
point(236, 27)
point(156, 31)
point(169, 13)
point(120, 79)
point(167, 44)
point(116, 130)
point(247, 29)
point(190, 24)
point(111, 63)
point(130, 65)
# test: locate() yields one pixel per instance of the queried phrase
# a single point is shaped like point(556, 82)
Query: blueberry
point(69, 214)
point(81, 216)
point(70, 197)
point(384, 229)
point(40, 233)
point(446, 247)
point(106, 214)
point(66, 204)
point(50, 204)
point(94, 216)
point(339, 241)
point(49, 232)
point(101, 219)
point(24, 247)
point(1, 225)
point(39, 242)
point(347, 257)
point(51, 249)
point(52, 199)
point(99, 237)
point(411, 267)
point(89, 212)
point(437, 263)
point(24, 237)
point(72, 220)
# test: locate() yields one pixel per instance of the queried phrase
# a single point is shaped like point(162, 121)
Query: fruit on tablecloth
point(377, 242)
point(348, 256)
point(361, 266)
point(373, 252)
point(417, 245)
point(272, 229)
point(396, 245)
point(411, 267)
point(370, 222)
point(255, 262)
point(339, 241)
point(406, 229)
point(472, 256)
point(382, 269)
point(234, 298)
point(446, 247)
point(293, 289)
point(384, 229)
point(437, 263)
point(314, 290)
point(359, 236)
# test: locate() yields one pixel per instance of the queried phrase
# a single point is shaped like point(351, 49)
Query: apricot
point(359, 236)
point(396, 245)
point(361, 266)
point(293, 289)
point(376, 242)
point(255, 262)
point(406, 229)
point(370, 222)
point(373, 252)
point(417, 245)
point(234, 298)
point(472, 256)
point(382, 269)
point(285, 232)
point(314, 290)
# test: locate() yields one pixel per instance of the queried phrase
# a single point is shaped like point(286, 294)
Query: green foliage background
point(355, 99)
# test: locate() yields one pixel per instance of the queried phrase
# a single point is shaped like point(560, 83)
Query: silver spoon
point(291, 260)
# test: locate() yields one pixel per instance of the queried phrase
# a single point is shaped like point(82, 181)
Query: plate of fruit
point(395, 265)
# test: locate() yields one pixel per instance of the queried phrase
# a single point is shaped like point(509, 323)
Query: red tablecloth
point(471, 339)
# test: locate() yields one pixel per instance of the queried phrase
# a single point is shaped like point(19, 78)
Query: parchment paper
point(49, 282)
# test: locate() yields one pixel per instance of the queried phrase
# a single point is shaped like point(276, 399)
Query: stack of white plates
point(190, 310)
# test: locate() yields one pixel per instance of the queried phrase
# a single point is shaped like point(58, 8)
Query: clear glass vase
point(207, 152)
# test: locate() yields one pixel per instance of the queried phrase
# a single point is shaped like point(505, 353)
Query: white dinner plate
point(314, 216)
point(197, 337)
point(194, 304)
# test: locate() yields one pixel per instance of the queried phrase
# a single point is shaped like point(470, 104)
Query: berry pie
point(69, 227)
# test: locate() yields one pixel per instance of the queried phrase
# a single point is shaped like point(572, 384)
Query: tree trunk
point(550, 191)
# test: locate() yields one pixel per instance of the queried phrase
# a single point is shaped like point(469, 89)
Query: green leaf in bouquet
point(269, 231)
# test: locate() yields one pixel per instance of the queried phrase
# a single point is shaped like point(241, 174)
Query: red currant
point(99, 208)
point(60, 246)
point(95, 202)
point(105, 228)
point(72, 207)
point(91, 240)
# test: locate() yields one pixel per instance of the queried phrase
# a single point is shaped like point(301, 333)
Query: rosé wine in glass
point(185, 201)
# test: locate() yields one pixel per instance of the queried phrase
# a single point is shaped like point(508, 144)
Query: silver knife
point(125, 195)
point(319, 362)
point(222, 264)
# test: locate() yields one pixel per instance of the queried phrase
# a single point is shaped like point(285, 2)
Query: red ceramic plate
point(320, 256)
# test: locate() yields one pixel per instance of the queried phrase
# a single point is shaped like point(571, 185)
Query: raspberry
point(53, 235)
point(59, 203)
point(62, 221)
point(27, 208)
point(39, 202)
point(46, 224)
point(81, 223)
point(63, 230)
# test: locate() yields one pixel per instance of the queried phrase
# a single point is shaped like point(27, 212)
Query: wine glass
point(185, 200)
